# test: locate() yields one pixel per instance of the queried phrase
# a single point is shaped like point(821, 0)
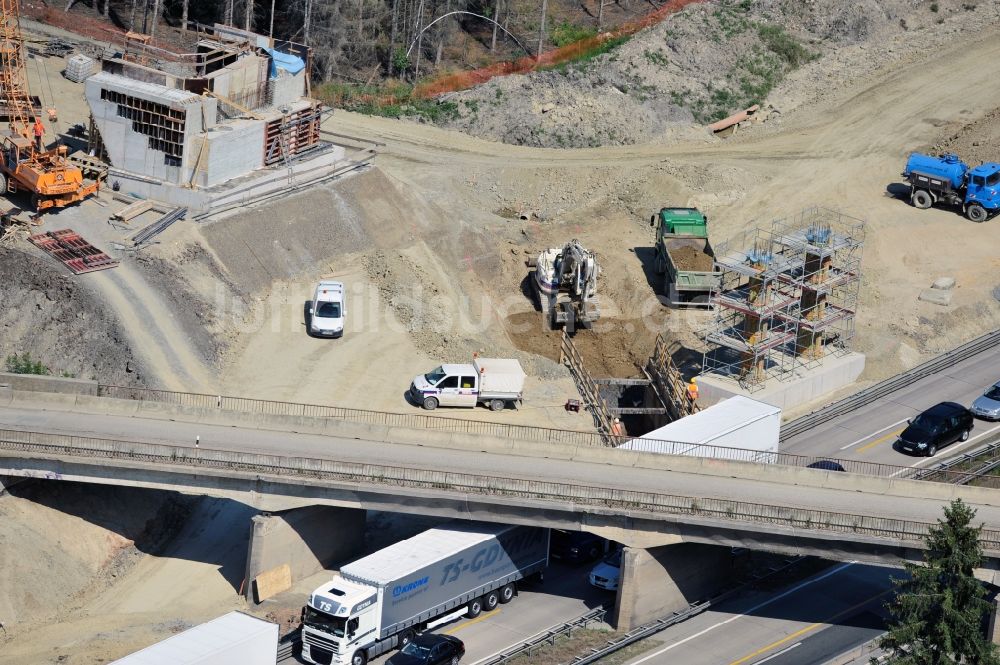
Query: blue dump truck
point(949, 180)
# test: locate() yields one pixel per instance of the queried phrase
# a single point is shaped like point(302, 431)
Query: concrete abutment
point(306, 539)
point(657, 581)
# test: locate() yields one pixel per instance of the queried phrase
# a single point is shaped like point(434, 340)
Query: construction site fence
point(455, 81)
point(62, 447)
point(546, 435)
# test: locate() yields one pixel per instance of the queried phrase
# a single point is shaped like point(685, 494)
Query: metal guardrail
point(509, 431)
point(943, 361)
point(653, 627)
point(971, 467)
point(289, 645)
point(62, 446)
point(384, 418)
point(544, 638)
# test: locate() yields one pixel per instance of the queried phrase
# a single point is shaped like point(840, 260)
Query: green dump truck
point(685, 257)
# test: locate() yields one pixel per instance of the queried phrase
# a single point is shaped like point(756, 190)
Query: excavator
point(566, 281)
point(48, 176)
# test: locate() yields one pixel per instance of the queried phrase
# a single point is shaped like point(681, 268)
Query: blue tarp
point(292, 64)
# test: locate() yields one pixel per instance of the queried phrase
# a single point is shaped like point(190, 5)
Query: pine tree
point(938, 611)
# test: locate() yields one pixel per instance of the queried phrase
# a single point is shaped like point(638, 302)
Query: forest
point(366, 41)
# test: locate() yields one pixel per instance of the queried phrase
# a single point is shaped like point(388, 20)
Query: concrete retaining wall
point(834, 373)
point(307, 539)
point(657, 582)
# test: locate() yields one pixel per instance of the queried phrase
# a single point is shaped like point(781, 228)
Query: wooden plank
point(272, 582)
point(134, 210)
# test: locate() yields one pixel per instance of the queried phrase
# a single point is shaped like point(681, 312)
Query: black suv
point(576, 545)
point(935, 428)
point(429, 649)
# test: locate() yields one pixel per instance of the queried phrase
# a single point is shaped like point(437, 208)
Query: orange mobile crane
point(48, 175)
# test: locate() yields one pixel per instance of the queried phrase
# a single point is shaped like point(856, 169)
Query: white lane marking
point(752, 609)
point(928, 460)
point(783, 651)
point(878, 431)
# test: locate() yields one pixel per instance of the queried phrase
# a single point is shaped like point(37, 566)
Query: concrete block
point(833, 373)
point(935, 296)
point(659, 581)
point(944, 283)
point(306, 539)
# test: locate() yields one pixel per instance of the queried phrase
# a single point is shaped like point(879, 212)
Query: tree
point(938, 611)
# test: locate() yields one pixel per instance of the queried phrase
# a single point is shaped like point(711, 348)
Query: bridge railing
point(533, 434)
point(61, 446)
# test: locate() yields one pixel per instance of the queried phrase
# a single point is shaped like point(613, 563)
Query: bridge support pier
point(306, 539)
point(657, 581)
point(993, 626)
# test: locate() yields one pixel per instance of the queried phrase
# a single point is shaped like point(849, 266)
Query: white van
point(327, 310)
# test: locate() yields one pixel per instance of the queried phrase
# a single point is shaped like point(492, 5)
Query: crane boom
point(13, 76)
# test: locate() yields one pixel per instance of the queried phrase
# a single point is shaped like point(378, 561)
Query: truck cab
point(447, 385)
point(983, 188)
point(327, 310)
point(680, 221)
point(341, 618)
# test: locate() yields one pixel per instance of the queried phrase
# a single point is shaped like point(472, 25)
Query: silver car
point(987, 407)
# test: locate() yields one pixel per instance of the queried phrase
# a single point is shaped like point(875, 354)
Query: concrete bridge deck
point(640, 499)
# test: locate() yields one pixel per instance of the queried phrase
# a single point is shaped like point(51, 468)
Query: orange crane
point(52, 180)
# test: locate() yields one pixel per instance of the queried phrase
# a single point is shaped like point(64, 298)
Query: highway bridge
point(256, 453)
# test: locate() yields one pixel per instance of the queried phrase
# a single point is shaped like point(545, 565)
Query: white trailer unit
point(232, 639)
point(382, 600)
point(738, 422)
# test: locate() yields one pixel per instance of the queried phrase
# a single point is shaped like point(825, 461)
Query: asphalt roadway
point(485, 463)
point(868, 434)
point(807, 624)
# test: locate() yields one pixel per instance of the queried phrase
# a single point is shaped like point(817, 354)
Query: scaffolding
point(786, 299)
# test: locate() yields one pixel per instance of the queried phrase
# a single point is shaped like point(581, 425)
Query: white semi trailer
point(736, 428)
point(379, 602)
point(232, 638)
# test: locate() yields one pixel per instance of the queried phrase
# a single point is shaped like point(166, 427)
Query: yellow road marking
point(470, 622)
point(879, 440)
point(772, 645)
point(811, 627)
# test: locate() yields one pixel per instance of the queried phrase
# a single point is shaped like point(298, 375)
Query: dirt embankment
point(703, 63)
point(62, 543)
point(60, 322)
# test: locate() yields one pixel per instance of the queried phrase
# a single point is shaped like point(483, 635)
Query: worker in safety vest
point(39, 129)
point(617, 429)
point(692, 389)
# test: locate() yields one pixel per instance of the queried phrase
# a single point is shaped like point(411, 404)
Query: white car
point(606, 573)
point(327, 310)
